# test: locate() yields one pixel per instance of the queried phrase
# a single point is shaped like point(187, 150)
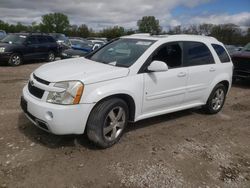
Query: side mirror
point(158, 66)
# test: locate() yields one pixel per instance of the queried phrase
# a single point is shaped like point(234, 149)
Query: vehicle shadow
point(52, 141)
point(160, 119)
point(38, 136)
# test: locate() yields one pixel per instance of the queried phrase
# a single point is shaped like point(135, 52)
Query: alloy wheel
point(218, 99)
point(114, 123)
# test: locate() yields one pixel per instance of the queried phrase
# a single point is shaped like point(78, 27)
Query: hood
point(4, 44)
point(82, 69)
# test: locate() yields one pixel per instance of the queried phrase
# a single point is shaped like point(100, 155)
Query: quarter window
point(221, 52)
point(171, 54)
point(197, 54)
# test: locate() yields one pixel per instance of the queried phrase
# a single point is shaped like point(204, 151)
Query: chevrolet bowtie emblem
point(31, 82)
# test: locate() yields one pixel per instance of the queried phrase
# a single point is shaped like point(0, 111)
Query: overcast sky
point(100, 14)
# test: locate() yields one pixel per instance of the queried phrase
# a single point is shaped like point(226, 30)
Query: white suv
point(129, 79)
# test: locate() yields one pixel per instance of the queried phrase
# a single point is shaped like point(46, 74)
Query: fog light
point(49, 115)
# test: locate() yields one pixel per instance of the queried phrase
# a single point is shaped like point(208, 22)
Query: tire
point(216, 99)
point(51, 56)
point(107, 122)
point(15, 60)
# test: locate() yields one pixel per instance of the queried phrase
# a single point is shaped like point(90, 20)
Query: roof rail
point(160, 36)
point(141, 34)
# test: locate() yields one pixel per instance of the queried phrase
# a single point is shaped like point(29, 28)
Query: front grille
point(241, 63)
point(41, 80)
point(37, 92)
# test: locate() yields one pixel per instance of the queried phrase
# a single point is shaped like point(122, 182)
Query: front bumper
point(57, 119)
point(4, 57)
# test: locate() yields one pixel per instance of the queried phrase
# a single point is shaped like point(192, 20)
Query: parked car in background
point(2, 34)
point(15, 49)
point(79, 48)
point(130, 79)
point(104, 39)
point(81, 44)
point(61, 39)
point(231, 49)
point(97, 43)
point(241, 61)
point(73, 53)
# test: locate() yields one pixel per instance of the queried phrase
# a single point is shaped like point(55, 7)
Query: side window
point(170, 53)
point(50, 39)
point(221, 52)
point(197, 53)
point(32, 40)
point(42, 39)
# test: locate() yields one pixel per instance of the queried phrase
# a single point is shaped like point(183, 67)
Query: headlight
point(2, 49)
point(71, 95)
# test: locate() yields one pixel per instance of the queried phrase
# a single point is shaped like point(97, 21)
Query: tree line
point(59, 23)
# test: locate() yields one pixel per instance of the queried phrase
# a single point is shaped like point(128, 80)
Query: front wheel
point(216, 99)
point(15, 59)
point(107, 122)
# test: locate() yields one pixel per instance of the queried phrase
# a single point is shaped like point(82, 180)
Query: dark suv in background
point(241, 61)
point(15, 49)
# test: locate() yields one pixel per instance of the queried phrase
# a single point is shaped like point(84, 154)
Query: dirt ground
point(183, 149)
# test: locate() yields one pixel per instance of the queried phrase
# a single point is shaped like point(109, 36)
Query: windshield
point(15, 39)
point(122, 52)
point(246, 48)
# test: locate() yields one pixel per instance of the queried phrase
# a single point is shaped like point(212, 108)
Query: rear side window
point(32, 40)
point(42, 39)
point(50, 39)
point(221, 52)
point(197, 53)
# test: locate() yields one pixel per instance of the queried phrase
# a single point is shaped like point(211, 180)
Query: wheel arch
point(225, 83)
point(127, 98)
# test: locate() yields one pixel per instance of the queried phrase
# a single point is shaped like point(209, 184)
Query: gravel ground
point(183, 149)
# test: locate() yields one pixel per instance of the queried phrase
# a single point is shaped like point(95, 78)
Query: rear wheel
point(107, 122)
point(51, 57)
point(216, 99)
point(15, 59)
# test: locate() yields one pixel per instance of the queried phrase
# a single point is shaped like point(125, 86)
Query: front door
point(165, 90)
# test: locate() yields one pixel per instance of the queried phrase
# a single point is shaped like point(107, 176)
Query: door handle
point(181, 74)
point(212, 69)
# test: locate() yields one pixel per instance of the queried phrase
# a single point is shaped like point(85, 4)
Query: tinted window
point(197, 54)
point(221, 52)
point(14, 39)
point(50, 39)
point(42, 39)
point(171, 54)
point(32, 40)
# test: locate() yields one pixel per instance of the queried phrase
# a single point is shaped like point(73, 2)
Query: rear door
point(43, 46)
point(202, 70)
point(31, 48)
point(165, 90)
